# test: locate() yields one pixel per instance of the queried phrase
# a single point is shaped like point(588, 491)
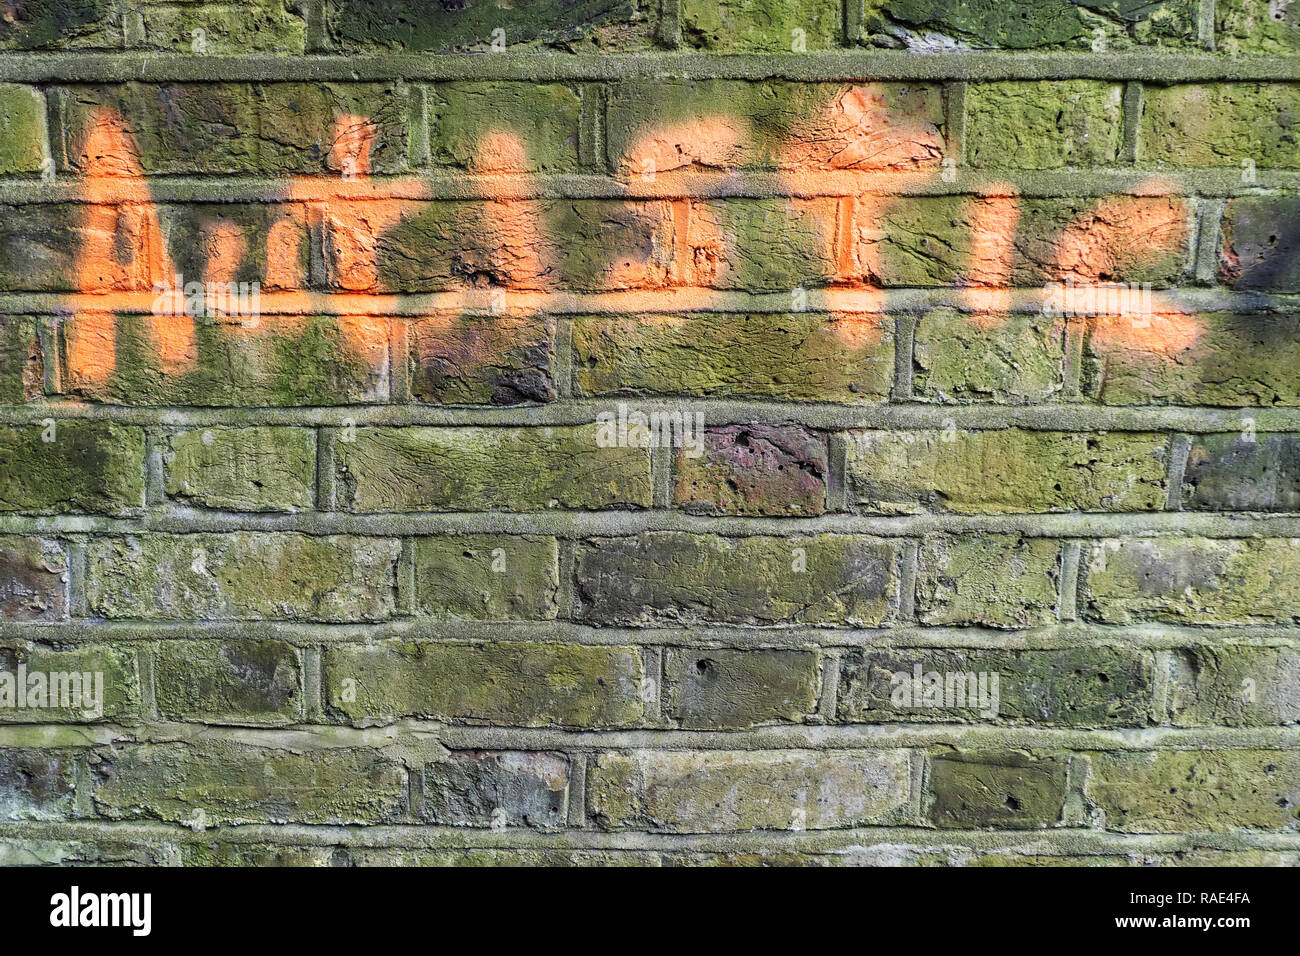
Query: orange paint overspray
point(994, 220)
point(118, 215)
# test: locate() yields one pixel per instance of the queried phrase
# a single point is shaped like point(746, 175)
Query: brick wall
point(321, 323)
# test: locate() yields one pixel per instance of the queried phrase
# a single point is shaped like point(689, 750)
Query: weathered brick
point(936, 25)
point(1009, 471)
point(36, 784)
point(474, 469)
point(670, 577)
point(1193, 580)
point(1233, 359)
point(803, 355)
point(1012, 789)
point(33, 580)
point(504, 127)
point(488, 577)
point(753, 469)
point(248, 26)
point(1261, 243)
point(513, 683)
point(659, 126)
point(1000, 358)
point(1243, 473)
point(763, 245)
point(943, 240)
point(22, 129)
point(22, 365)
point(729, 689)
point(1079, 687)
point(285, 360)
point(1256, 26)
point(1221, 124)
point(263, 243)
point(482, 788)
point(38, 246)
point(243, 469)
point(483, 360)
point(242, 576)
point(76, 684)
point(1235, 685)
point(229, 682)
point(723, 791)
point(226, 783)
point(774, 26)
point(997, 580)
point(1180, 791)
point(85, 466)
point(235, 127)
point(1043, 124)
point(413, 26)
point(61, 25)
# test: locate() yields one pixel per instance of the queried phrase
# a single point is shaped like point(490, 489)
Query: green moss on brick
point(471, 124)
point(488, 577)
point(242, 469)
point(1043, 124)
point(997, 580)
point(1011, 358)
point(234, 682)
point(1005, 789)
point(772, 26)
point(22, 129)
point(22, 364)
point(85, 466)
point(1222, 124)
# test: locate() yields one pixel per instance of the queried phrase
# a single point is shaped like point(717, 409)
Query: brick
point(38, 245)
point(240, 128)
point(36, 784)
point(1243, 473)
point(482, 788)
point(1043, 124)
point(33, 580)
point(763, 245)
point(1246, 359)
point(284, 361)
point(1261, 245)
point(488, 577)
point(412, 26)
point(773, 26)
point(940, 240)
point(511, 683)
point(242, 469)
point(1005, 790)
point(581, 244)
point(252, 26)
point(753, 469)
point(1183, 791)
point(722, 791)
point(263, 243)
point(1009, 471)
point(61, 25)
point(22, 129)
point(229, 682)
point(659, 126)
point(1237, 686)
point(1256, 26)
point(1004, 358)
point(735, 689)
point(475, 469)
point(935, 25)
point(803, 355)
point(90, 467)
point(994, 580)
point(22, 365)
point(483, 360)
point(226, 783)
point(1221, 124)
point(242, 576)
point(76, 684)
point(1077, 687)
point(504, 127)
point(1193, 581)
point(676, 578)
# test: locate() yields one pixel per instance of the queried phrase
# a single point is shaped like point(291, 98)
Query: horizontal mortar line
point(584, 524)
point(422, 737)
point(454, 630)
point(492, 303)
point(693, 184)
point(838, 65)
point(386, 836)
point(587, 411)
